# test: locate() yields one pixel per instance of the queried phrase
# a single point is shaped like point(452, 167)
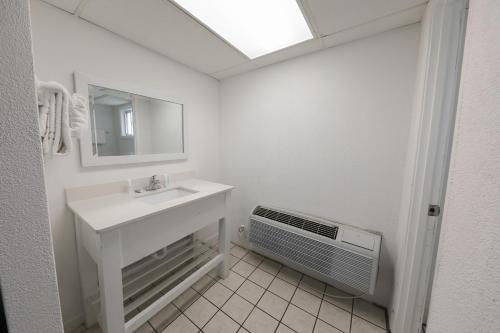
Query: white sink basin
point(156, 198)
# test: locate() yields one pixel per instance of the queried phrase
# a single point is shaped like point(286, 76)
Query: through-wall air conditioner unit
point(333, 252)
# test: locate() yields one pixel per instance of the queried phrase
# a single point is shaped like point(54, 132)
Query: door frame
point(438, 77)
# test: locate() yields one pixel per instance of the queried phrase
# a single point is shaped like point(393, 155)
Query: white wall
point(325, 134)
point(27, 272)
point(64, 44)
point(466, 290)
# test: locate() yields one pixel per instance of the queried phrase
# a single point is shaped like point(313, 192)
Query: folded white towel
point(79, 115)
point(48, 137)
point(58, 144)
point(55, 140)
point(43, 108)
point(62, 139)
point(60, 116)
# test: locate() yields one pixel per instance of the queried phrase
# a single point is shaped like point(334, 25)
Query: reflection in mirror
point(129, 124)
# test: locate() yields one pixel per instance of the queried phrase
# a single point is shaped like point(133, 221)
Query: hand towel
point(60, 117)
point(79, 115)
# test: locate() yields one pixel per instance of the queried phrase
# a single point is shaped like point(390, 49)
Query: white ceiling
point(163, 27)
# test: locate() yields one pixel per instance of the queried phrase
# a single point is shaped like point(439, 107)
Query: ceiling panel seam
point(377, 19)
point(395, 17)
point(309, 17)
point(148, 48)
point(324, 37)
point(81, 6)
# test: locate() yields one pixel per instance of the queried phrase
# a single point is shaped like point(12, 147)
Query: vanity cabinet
point(123, 284)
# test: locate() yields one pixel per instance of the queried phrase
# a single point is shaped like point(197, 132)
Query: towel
point(48, 133)
point(61, 116)
point(43, 108)
point(79, 115)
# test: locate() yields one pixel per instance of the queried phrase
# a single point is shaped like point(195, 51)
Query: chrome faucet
point(154, 184)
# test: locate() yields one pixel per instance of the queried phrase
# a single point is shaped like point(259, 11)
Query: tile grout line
point(290, 302)
point(310, 293)
point(322, 298)
point(201, 295)
point(254, 305)
point(265, 289)
point(368, 321)
point(352, 314)
point(233, 292)
point(275, 276)
point(247, 278)
point(181, 312)
point(219, 309)
point(175, 306)
point(320, 304)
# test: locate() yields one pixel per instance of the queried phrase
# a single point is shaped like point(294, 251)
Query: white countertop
point(110, 211)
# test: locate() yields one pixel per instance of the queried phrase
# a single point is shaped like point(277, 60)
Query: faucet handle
point(155, 182)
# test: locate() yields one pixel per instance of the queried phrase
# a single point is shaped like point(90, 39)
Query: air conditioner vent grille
point(259, 211)
point(297, 222)
point(327, 231)
point(347, 267)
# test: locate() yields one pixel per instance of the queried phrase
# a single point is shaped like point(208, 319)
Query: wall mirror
point(129, 126)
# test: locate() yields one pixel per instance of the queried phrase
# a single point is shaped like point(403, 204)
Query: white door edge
point(437, 88)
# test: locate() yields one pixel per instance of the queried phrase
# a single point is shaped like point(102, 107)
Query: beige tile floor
point(260, 296)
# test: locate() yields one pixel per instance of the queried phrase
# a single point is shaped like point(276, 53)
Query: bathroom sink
point(174, 193)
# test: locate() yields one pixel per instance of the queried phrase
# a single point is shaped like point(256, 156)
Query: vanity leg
point(88, 277)
point(224, 247)
point(110, 283)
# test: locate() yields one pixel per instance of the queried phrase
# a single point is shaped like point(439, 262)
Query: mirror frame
point(82, 82)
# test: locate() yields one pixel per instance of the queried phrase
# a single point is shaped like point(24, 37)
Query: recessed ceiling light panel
point(255, 27)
